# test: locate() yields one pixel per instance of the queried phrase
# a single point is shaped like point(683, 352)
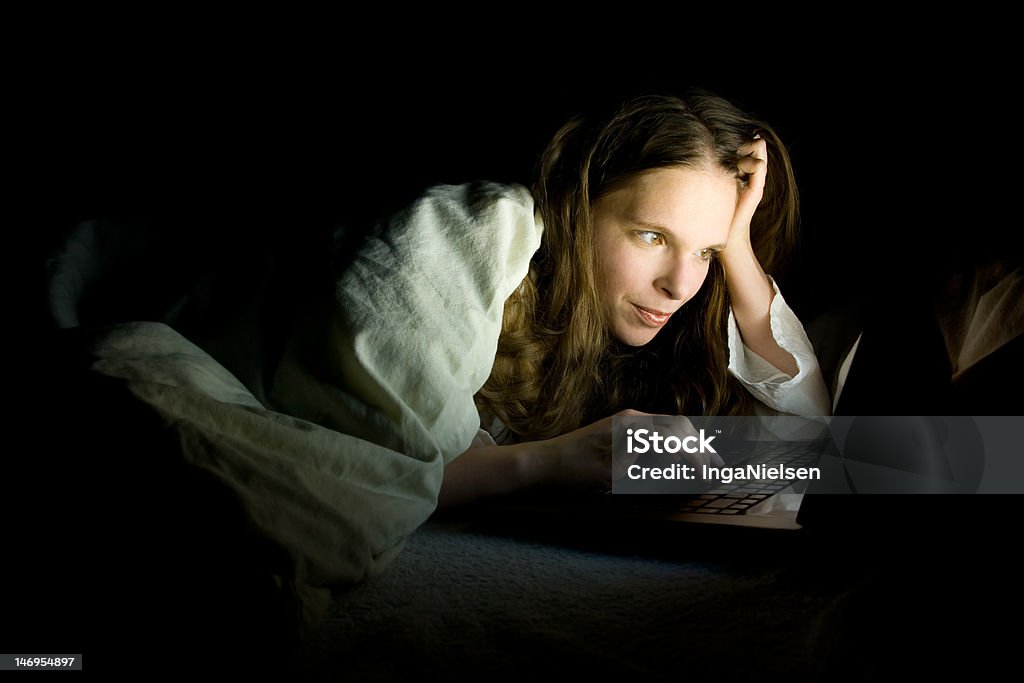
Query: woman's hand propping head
point(753, 169)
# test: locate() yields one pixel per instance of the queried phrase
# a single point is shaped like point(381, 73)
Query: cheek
point(609, 286)
point(628, 276)
point(702, 279)
point(613, 270)
point(705, 272)
point(695, 280)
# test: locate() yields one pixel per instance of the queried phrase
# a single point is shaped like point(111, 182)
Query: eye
point(649, 237)
point(705, 254)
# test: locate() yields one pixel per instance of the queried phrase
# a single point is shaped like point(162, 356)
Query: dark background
point(901, 155)
point(286, 144)
point(898, 158)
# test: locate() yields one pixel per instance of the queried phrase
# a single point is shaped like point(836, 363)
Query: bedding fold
point(339, 456)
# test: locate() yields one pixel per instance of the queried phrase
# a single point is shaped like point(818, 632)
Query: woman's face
point(654, 239)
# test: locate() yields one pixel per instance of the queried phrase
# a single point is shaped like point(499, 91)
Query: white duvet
point(341, 458)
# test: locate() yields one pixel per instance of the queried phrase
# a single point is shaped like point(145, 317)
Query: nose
point(680, 280)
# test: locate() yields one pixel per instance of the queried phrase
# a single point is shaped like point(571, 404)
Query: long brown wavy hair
point(558, 367)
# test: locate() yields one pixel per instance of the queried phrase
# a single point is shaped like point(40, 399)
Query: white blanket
point(341, 458)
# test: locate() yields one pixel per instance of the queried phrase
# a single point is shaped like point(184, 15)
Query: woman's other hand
point(585, 457)
point(582, 459)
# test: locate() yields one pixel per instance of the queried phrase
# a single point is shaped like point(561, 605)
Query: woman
point(648, 293)
point(632, 278)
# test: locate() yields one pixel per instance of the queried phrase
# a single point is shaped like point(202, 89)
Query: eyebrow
point(662, 228)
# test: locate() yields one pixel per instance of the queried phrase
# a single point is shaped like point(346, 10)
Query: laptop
point(897, 366)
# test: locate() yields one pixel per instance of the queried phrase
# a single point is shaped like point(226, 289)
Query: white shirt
point(804, 394)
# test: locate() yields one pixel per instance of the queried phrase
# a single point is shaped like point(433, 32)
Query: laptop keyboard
point(739, 496)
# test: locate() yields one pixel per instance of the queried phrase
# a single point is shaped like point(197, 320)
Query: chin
point(636, 338)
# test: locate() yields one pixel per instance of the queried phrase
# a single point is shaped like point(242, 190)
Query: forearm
point(491, 471)
point(752, 293)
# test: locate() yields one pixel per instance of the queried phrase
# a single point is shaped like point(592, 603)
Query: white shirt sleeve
point(805, 394)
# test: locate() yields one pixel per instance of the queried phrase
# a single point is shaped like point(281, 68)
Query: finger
point(752, 165)
point(631, 413)
point(621, 462)
point(682, 425)
point(755, 165)
point(756, 148)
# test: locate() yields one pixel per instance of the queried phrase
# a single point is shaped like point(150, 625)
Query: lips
point(651, 317)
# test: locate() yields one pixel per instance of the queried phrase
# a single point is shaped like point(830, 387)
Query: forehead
point(680, 199)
